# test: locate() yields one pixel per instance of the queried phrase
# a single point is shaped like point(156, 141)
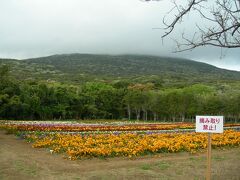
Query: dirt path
point(19, 161)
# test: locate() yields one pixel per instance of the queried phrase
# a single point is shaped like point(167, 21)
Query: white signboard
point(209, 124)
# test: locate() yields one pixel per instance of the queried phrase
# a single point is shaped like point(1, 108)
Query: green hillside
point(80, 68)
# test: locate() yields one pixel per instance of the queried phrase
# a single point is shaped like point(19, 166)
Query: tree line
point(41, 100)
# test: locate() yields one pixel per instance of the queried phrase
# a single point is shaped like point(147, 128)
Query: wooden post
point(209, 156)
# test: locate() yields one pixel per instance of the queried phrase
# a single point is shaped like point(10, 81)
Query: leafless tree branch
point(223, 17)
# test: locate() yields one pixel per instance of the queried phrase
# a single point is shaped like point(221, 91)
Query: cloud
point(32, 28)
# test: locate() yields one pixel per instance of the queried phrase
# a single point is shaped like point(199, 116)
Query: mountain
point(80, 68)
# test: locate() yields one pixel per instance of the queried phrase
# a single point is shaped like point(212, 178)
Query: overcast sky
point(33, 28)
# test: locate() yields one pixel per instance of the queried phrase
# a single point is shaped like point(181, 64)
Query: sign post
point(209, 124)
point(209, 157)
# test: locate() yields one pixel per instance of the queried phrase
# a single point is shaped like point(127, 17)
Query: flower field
point(118, 140)
point(78, 127)
point(84, 128)
point(111, 145)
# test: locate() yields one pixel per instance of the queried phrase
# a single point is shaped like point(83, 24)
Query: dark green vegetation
point(82, 86)
point(80, 68)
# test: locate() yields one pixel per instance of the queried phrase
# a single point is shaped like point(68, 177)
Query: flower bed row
point(110, 145)
point(84, 127)
point(96, 127)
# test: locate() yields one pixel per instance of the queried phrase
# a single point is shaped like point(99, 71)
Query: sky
point(35, 28)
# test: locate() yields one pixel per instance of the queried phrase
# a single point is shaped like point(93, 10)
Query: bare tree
point(223, 27)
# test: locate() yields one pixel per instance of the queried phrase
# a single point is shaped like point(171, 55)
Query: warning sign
point(210, 124)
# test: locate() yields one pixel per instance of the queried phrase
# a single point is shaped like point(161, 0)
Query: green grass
point(163, 165)
point(197, 159)
point(146, 166)
point(25, 169)
point(218, 158)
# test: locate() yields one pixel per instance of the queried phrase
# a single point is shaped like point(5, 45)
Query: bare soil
point(19, 161)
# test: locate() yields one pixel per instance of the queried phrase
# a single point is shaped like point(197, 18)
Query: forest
point(117, 99)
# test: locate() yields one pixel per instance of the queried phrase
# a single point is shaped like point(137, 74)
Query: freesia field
point(83, 127)
point(95, 127)
point(111, 145)
point(74, 142)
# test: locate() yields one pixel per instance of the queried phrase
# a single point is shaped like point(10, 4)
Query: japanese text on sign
point(211, 124)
